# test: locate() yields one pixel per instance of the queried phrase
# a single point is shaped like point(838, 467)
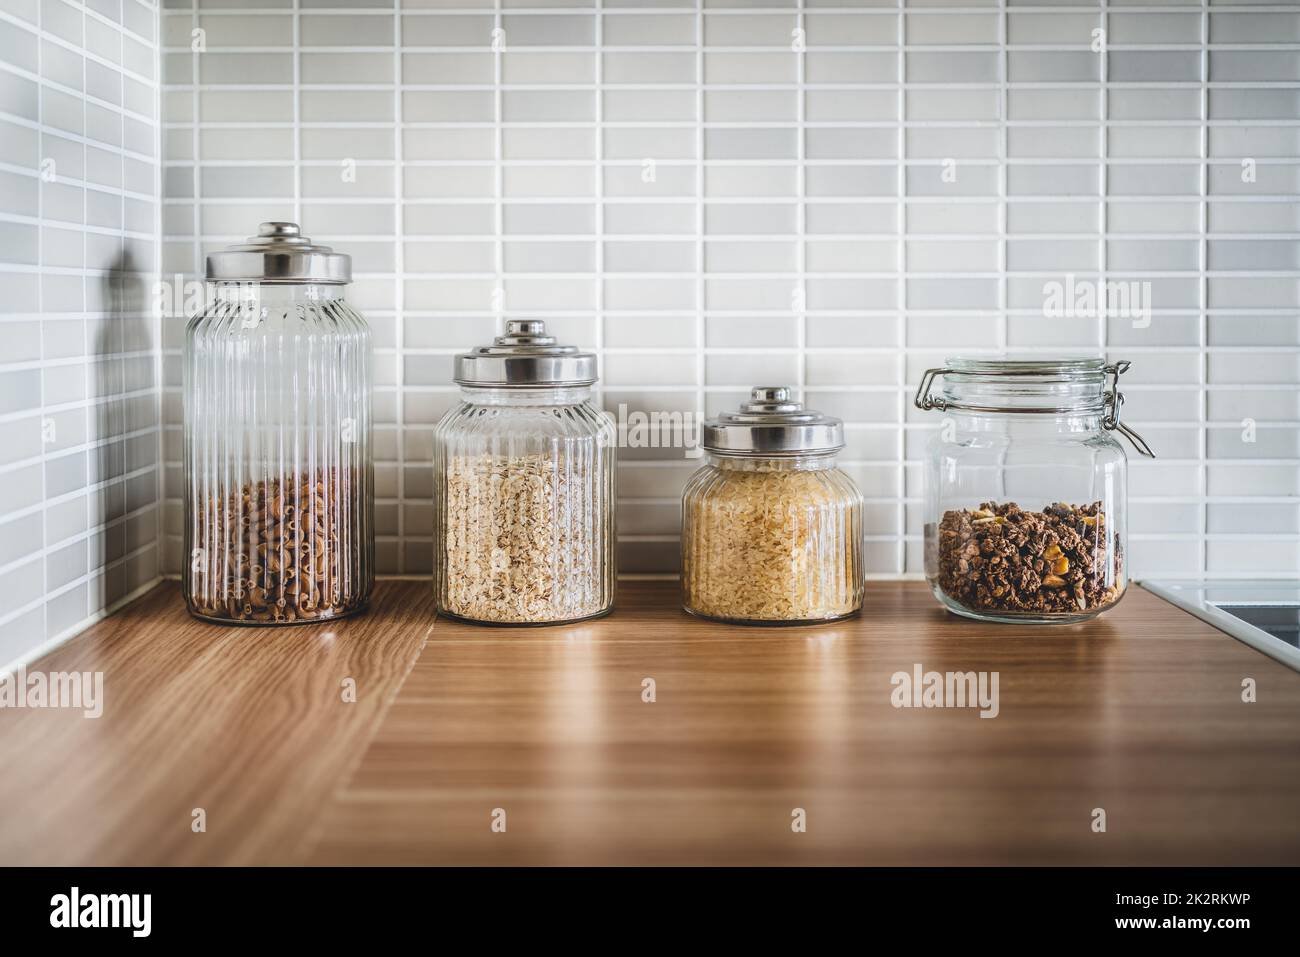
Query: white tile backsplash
point(79, 247)
point(830, 194)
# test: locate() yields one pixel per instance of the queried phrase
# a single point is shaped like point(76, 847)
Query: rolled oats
point(522, 539)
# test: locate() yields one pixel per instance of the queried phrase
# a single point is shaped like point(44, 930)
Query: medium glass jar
point(771, 528)
point(278, 471)
point(524, 486)
point(1026, 488)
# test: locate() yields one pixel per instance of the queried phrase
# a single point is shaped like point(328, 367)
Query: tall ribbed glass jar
point(279, 497)
point(771, 527)
point(524, 486)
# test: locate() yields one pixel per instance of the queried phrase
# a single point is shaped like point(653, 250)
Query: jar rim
point(1015, 384)
point(1079, 386)
point(1065, 367)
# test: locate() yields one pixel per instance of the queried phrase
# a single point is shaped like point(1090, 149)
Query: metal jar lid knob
point(526, 356)
point(279, 253)
point(773, 422)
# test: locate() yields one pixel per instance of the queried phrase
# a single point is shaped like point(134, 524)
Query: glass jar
point(1026, 488)
point(279, 494)
point(771, 528)
point(524, 486)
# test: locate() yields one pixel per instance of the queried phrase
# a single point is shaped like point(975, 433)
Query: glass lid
point(992, 385)
point(1025, 365)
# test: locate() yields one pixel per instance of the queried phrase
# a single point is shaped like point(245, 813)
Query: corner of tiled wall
point(80, 471)
point(827, 193)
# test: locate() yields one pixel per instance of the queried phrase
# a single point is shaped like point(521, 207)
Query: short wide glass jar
point(771, 528)
point(524, 486)
point(1026, 488)
point(279, 496)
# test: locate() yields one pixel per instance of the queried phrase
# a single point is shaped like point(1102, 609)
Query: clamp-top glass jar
point(1026, 488)
point(524, 473)
point(771, 528)
point(278, 471)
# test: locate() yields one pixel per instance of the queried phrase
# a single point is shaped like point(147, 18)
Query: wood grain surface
point(1139, 713)
point(248, 724)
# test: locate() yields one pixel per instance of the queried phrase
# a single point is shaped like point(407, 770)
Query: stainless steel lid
point(526, 356)
point(279, 253)
point(773, 423)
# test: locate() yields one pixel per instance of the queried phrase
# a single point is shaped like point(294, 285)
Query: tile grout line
point(297, 112)
point(1003, 151)
point(40, 309)
point(500, 43)
point(598, 392)
point(801, 214)
point(900, 293)
point(1203, 296)
point(160, 321)
point(737, 11)
point(117, 377)
point(399, 289)
point(196, 117)
point(197, 224)
point(1103, 178)
point(701, 329)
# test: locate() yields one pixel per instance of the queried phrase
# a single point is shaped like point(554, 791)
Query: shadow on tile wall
point(124, 468)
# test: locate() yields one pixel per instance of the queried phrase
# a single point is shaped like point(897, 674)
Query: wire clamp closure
point(1112, 402)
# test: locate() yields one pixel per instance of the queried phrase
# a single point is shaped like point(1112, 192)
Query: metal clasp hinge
point(924, 400)
point(1114, 402)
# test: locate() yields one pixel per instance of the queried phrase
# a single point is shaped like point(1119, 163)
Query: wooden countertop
point(1139, 713)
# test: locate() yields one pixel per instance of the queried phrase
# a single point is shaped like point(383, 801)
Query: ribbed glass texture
point(769, 540)
point(524, 510)
point(279, 497)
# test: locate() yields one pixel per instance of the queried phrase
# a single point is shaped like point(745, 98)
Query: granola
point(1064, 560)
